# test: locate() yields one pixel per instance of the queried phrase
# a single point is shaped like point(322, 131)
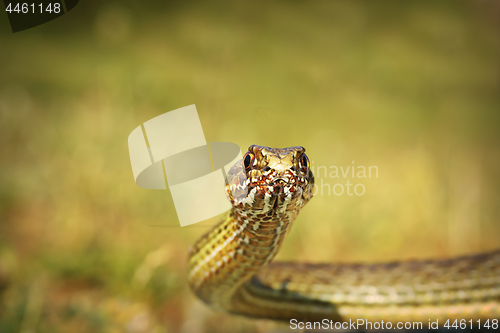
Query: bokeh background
point(411, 87)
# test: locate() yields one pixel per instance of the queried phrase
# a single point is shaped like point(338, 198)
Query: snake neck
point(234, 251)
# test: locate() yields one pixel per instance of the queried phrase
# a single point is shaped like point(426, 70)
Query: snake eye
point(248, 160)
point(304, 162)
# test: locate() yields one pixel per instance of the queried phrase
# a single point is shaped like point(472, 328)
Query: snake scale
point(230, 267)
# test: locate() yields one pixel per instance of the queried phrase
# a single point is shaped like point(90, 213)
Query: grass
point(411, 88)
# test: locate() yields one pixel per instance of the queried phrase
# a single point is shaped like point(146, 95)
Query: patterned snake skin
point(230, 267)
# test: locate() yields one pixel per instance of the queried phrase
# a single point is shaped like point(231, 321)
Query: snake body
point(230, 267)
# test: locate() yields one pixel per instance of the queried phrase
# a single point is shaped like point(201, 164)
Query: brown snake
point(230, 266)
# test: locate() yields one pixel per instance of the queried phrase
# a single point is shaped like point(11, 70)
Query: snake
point(230, 267)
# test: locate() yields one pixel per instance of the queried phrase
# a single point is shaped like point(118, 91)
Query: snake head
point(271, 180)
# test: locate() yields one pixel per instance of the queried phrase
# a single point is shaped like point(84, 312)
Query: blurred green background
point(411, 87)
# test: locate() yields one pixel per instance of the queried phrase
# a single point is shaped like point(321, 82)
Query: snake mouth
point(276, 186)
point(279, 181)
point(280, 189)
